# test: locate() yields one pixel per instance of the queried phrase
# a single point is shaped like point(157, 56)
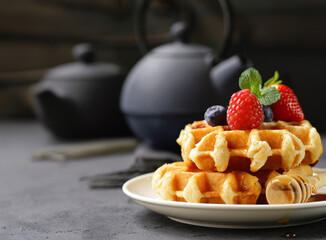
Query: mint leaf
point(273, 80)
point(251, 79)
point(269, 95)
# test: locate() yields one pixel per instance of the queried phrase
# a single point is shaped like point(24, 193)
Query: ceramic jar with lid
point(81, 99)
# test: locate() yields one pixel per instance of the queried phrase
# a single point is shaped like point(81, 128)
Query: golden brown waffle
point(178, 182)
point(273, 146)
point(302, 169)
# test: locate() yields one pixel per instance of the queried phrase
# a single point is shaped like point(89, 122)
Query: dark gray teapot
point(175, 83)
point(81, 99)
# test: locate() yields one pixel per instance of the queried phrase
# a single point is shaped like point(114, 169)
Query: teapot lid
point(85, 67)
point(180, 47)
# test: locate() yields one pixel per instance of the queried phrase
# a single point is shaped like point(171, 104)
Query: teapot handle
point(141, 10)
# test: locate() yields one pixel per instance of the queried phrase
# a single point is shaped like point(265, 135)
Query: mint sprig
point(269, 95)
point(251, 79)
point(273, 80)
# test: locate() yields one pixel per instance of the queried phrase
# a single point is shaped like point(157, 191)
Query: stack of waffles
point(234, 166)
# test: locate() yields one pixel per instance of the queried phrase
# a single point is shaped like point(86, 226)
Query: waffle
point(178, 182)
point(273, 146)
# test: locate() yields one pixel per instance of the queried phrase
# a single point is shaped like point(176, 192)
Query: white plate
point(224, 215)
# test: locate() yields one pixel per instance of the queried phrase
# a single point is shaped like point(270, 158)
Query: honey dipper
point(287, 189)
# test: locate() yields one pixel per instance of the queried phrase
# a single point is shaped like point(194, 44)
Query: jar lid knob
point(83, 52)
point(180, 32)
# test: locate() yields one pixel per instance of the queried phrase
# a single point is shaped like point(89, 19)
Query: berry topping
point(251, 79)
point(288, 107)
point(268, 113)
point(215, 115)
point(245, 111)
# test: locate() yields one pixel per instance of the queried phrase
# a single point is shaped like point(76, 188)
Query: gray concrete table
point(46, 200)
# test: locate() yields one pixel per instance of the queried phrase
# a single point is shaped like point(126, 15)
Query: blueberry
point(268, 113)
point(216, 115)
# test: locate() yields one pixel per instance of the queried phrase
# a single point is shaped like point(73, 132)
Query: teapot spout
point(225, 77)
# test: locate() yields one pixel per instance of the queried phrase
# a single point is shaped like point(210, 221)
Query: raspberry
point(245, 111)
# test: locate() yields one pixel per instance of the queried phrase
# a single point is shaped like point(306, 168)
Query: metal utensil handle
point(140, 29)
